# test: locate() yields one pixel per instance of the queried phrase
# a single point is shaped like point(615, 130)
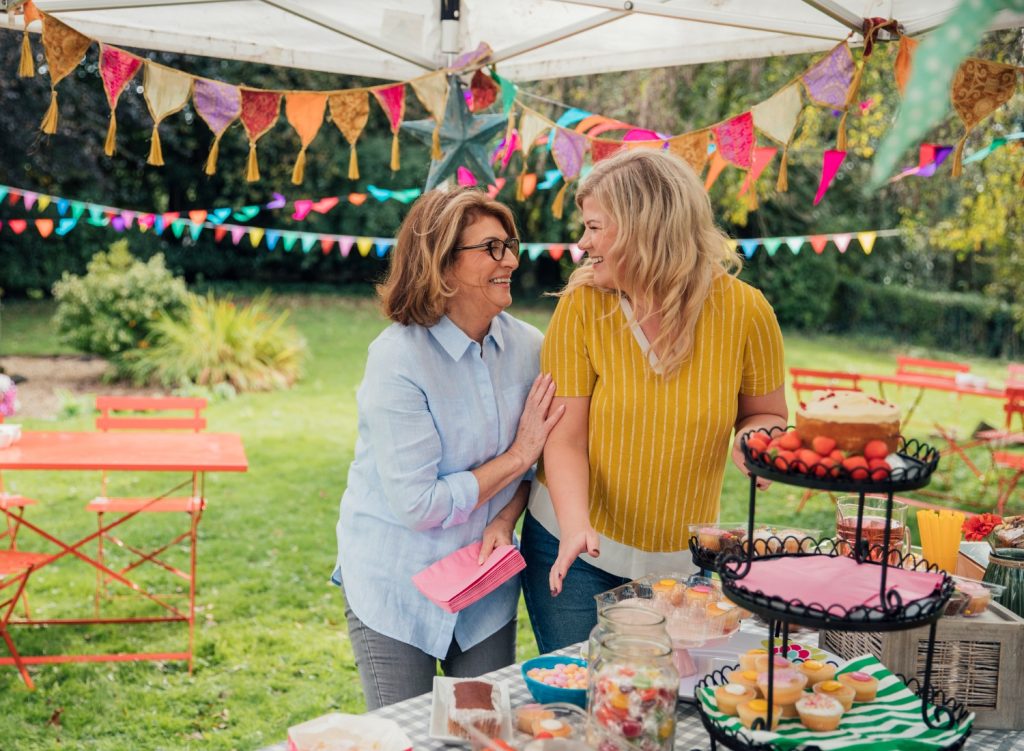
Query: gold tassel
point(435, 144)
point(111, 143)
point(156, 154)
point(752, 198)
point(556, 207)
point(782, 185)
point(26, 68)
point(958, 156)
point(353, 163)
point(395, 163)
point(841, 135)
point(211, 160)
point(49, 124)
point(252, 170)
point(299, 173)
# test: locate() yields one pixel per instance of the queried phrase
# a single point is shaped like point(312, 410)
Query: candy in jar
point(633, 691)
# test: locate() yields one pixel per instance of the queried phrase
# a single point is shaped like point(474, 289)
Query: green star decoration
point(465, 138)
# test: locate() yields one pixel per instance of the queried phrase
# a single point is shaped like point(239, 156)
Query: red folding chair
point(15, 567)
point(151, 413)
point(806, 379)
point(944, 369)
point(12, 506)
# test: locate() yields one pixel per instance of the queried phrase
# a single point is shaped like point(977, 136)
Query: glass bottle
point(633, 690)
point(625, 618)
point(1006, 567)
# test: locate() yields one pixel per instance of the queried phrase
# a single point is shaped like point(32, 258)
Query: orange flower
point(977, 528)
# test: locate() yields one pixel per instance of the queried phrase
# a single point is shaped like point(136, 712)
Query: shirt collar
point(454, 340)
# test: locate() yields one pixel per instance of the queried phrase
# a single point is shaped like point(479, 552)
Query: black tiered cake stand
point(917, 461)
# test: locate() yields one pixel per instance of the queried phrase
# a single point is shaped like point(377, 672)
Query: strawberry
point(791, 441)
point(823, 444)
point(808, 457)
point(784, 460)
point(880, 469)
point(857, 466)
point(876, 450)
point(826, 467)
point(837, 456)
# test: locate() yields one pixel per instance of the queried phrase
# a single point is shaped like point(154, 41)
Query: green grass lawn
point(271, 644)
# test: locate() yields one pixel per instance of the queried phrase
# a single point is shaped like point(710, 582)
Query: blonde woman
point(659, 354)
point(452, 416)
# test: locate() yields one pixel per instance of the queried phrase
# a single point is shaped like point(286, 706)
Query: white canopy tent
point(532, 39)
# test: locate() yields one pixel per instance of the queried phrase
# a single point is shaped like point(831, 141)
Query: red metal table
point(933, 383)
point(118, 452)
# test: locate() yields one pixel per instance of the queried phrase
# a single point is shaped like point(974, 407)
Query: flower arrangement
point(8, 396)
point(977, 528)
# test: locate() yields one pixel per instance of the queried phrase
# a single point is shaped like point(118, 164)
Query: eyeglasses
point(495, 248)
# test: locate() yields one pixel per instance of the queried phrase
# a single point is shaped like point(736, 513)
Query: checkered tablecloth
point(413, 716)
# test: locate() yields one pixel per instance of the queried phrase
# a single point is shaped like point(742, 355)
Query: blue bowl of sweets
point(554, 678)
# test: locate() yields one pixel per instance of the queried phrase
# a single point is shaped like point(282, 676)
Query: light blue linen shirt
point(433, 405)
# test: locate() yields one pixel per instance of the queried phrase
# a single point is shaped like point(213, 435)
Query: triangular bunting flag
point(166, 91)
point(305, 112)
point(64, 48)
point(795, 243)
point(117, 68)
point(349, 112)
point(867, 241)
point(260, 110)
point(842, 241)
point(392, 101)
point(818, 242)
point(831, 161)
point(218, 104)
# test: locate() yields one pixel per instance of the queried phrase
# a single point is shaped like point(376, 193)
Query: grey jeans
point(392, 671)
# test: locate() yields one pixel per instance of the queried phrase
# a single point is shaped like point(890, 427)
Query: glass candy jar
point(633, 690)
point(625, 618)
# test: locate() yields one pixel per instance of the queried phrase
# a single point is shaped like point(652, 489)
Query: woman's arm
point(754, 412)
point(499, 530)
point(567, 472)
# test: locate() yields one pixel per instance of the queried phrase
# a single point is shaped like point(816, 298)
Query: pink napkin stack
point(457, 581)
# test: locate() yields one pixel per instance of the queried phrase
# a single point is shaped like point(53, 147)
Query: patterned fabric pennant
point(693, 147)
point(117, 68)
point(218, 104)
point(26, 65)
point(568, 149)
point(432, 91)
point(166, 92)
point(602, 149)
point(260, 110)
point(305, 113)
point(904, 60)
point(349, 111)
point(776, 116)
point(828, 81)
point(484, 91)
point(531, 127)
point(392, 101)
point(980, 87)
point(64, 48)
point(734, 140)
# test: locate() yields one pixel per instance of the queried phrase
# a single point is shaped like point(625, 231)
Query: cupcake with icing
point(780, 662)
point(843, 694)
point(748, 658)
point(746, 678)
point(731, 695)
point(749, 711)
point(787, 686)
point(819, 712)
point(865, 687)
point(817, 671)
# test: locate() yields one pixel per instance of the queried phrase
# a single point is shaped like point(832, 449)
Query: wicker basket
point(979, 661)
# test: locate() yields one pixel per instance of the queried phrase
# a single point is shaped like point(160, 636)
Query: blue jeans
point(569, 618)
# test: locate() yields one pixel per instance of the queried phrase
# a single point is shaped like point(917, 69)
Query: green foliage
point(964, 322)
point(111, 309)
point(218, 342)
point(800, 289)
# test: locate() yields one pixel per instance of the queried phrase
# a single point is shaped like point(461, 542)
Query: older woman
point(659, 354)
point(452, 415)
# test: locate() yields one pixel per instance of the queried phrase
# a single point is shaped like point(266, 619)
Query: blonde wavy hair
point(670, 248)
point(415, 289)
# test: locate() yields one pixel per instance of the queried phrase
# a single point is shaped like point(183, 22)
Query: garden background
point(272, 649)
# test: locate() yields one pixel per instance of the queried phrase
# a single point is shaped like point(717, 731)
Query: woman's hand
point(737, 459)
point(571, 546)
point(535, 422)
point(496, 534)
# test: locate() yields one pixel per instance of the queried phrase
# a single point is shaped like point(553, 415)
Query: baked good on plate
point(474, 703)
point(819, 712)
point(755, 708)
point(851, 418)
point(843, 694)
point(731, 695)
point(817, 671)
point(865, 687)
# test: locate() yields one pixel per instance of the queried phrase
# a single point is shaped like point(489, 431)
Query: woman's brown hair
point(415, 289)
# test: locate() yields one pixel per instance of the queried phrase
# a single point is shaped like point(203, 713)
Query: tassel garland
point(49, 124)
point(958, 156)
point(556, 207)
point(26, 67)
point(252, 169)
point(299, 173)
point(156, 154)
point(211, 160)
point(435, 144)
point(782, 185)
point(110, 146)
point(841, 135)
point(395, 163)
point(353, 163)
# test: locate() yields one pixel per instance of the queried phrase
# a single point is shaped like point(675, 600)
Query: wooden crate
point(978, 660)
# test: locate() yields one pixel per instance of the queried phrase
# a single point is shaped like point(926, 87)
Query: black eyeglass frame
point(510, 244)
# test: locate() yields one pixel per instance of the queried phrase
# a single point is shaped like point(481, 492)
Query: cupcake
point(746, 678)
point(710, 538)
point(843, 694)
point(699, 593)
point(864, 686)
point(816, 671)
point(819, 712)
point(781, 663)
point(669, 591)
point(549, 727)
point(758, 708)
point(731, 695)
point(729, 613)
point(787, 686)
point(526, 714)
point(748, 658)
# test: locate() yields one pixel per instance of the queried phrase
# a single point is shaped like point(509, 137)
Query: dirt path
point(47, 377)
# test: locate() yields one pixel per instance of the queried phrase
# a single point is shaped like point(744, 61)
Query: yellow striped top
point(658, 445)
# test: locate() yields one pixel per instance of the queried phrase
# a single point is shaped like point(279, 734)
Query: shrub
point(111, 309)
point(216, 342)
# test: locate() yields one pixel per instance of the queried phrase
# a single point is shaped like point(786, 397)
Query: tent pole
point(450, 19)
point(837, 13)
